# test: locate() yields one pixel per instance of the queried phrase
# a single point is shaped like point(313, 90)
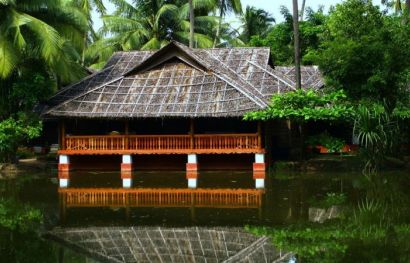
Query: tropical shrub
point(15, 216)
point(14, 131)
point(306, 105)
point(377, 132)
point(333, 144)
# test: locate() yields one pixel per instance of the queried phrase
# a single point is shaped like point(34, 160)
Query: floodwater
point(285, 201)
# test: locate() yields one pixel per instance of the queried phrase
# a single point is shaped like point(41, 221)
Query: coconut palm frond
point(8, 58)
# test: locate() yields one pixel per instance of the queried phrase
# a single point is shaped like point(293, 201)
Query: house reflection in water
point(127, 198)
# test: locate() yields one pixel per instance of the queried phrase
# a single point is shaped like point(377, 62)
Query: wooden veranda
point(162, 144)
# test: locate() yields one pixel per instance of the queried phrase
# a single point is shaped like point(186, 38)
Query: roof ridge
point(80, 81)
point(282, 78)
point(254, 96)
point(262, 103)
point(85, 93)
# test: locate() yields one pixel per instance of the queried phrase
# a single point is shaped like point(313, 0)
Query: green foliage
point(150, 25)
point(377, 133)
point(329, 200)
point(25, 91)
point(302, 106)
point(255, 22)
point(312, 243)
point(364, 52)
point(280, 37)
point(14, 131)
point(341, 241)
point(15, 216)
point(41, 30)
point(333, 144)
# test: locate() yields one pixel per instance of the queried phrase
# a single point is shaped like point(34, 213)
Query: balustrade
point(198, 143)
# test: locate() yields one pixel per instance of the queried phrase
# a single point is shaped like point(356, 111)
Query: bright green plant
point(329, 200)
point(335, 199)
point(46, 31)
point(377, 133)
point(306, 105)
point(15, 216)
point(13, 132)
point(333, 144)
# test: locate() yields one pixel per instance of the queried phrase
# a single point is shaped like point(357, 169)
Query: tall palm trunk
point(218, 29)
point(302, 10)
point(297, 43)
point(191, 24)
point(297, 67)
point(406, 12)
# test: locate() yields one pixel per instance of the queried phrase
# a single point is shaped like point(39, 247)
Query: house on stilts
point(176, 101)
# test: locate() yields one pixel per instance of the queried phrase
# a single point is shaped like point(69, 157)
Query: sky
point(272, 6)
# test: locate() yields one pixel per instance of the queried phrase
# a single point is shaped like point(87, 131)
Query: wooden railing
point(161, 197)
point(162, 144)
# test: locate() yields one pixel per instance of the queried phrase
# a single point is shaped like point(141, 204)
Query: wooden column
point(191, 132)
point(126, 132)
point(126, 127)
point(61, 135)
point(260, 134)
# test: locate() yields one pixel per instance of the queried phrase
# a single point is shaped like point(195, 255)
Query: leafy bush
point(333, 144)
point(19, 217)
point(377, 132)
point(305, 105)
point(14, 131)
point(329, 200)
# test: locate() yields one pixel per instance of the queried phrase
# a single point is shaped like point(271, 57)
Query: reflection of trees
point(285, 201)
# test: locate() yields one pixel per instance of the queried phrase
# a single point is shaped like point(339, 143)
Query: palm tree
point(302, 10)
point(86, 7)
point(226, 6)
point(296, 43)
point(146, 26)
point(255, 22)
point(44, 30)
point(191, 24)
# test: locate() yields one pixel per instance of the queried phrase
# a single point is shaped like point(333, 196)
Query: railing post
point(191, 133)
point(259, 134)
point(61, 128)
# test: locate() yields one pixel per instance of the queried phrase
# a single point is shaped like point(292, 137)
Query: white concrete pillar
point(192, 171)
point(259, 183)
point(126, 182)
point(192, 182)
point(63, 170)
point(126, 171)
point(63, 159)
point(259, 158)
point(259, 171)
point(64, 182)
point(126, 158)
point(192, 158)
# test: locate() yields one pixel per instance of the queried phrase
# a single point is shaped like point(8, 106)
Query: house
point(174, 101)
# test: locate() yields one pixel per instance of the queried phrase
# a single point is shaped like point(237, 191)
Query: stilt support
point(63, 171)
point(192, 171)
point(126, 171)
point(259, 170)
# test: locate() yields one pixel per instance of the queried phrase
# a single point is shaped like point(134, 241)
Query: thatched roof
point(179, 81)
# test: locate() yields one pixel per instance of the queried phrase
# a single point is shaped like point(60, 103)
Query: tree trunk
point(302, 10)
point(84, 48)
point(218, 29)
point(296, 44)
point(191, 23)
point(406, 13)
